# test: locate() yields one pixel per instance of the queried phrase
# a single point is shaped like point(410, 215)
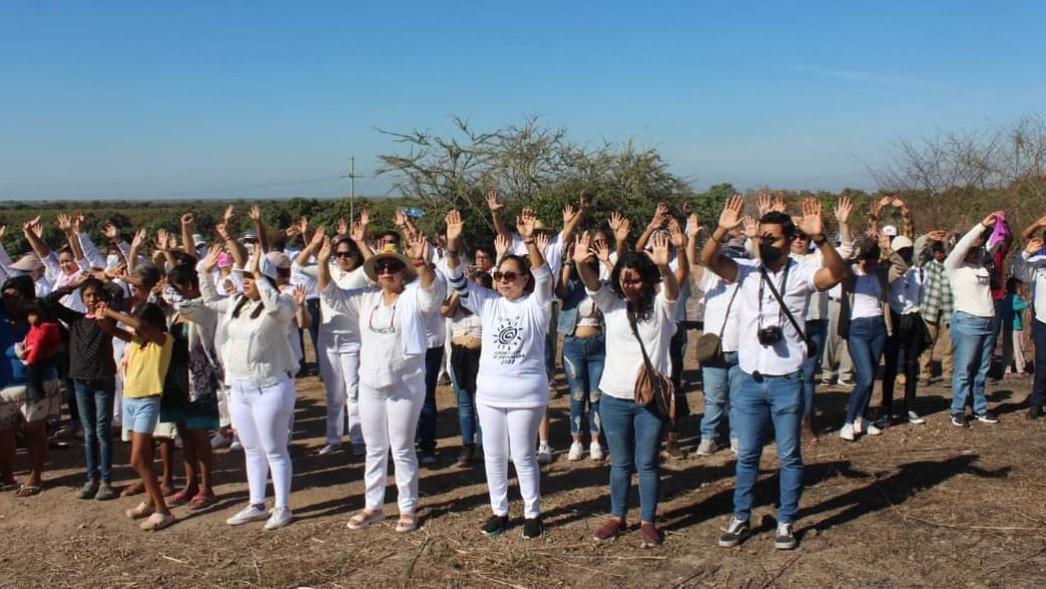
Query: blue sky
point(228, 99)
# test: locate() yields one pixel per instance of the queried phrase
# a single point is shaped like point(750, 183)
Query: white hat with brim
point(28, 263)
point(389, 252)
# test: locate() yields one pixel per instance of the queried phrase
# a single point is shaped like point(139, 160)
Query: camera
point(769, 336)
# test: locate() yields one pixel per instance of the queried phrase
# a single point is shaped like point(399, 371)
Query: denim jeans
point(94, 399)
point(973, 345)
point(583, 365)
point(468, 420)
point(1038, 334)
point(633, 435)
point(866, 340)
point(817, 331)
point(427, 421)
point(721, 379)
point(757, 404)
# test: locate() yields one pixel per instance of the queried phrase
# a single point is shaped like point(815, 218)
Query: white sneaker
point(872, 430)
point(914, 419)
point(595, 451)
point(734, 445)
point(544, 453)
point(707, 447)
point(577, 450)
point(220, 440)
point(328, 449)
point(843, 382)
point(847, 433)
point(247, 515)
point(236, 445)
point(280, 517)
point(859, 425)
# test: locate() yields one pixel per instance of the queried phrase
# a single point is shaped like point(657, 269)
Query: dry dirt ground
point(919, 506)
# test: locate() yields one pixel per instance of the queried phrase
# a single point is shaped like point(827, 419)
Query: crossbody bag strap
point(722, 329)
point(780, 301)
point(635, 332)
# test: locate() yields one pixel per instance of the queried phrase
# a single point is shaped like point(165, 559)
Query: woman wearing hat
point(258, 365)
point(512, 384)
point(392, 366)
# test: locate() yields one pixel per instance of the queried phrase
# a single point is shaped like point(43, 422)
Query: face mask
point(769, 253)
point(172, 296)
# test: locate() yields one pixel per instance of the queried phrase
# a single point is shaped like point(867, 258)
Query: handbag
point(811, 347)
point(710, 345)
point(652, 390)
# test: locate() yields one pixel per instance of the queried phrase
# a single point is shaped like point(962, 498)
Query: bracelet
point(418, 263)
point(819, 239)
point(528, 241)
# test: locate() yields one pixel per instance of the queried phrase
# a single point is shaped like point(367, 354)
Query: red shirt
point(43, 340)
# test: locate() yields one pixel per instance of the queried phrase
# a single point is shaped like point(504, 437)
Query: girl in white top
point(631, 305)
point(258, 364)
point(338, 348)
point(512, 386)
point(392, 366)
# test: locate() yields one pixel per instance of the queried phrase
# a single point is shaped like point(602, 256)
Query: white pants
point(339, 363)
point(224, 416)
point(260, 416)
point(511, 432)
point(389, 421)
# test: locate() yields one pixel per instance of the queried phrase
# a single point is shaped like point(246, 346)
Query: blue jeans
point(757, 404)
point(426, 433)
point(817, 331)
point(866, 340)
point(721, 378)
point(583, 365)
point(94, 400)
point(973, 345)
point(633, 434)
point(467, 417)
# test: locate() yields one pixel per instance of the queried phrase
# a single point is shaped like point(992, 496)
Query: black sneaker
point(735, 533)
point(785, 538)
point(532, 528)
point(958, 419)
point(987, 417)
point(496, 524)
point(467, 455)
point(1034, 412)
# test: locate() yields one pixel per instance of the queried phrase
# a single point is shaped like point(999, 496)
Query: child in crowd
point(1018, 304)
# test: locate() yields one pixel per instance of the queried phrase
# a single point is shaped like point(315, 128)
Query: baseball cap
point(900, 242)
point(890, 230)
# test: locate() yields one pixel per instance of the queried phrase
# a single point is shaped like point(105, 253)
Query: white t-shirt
point(716, 300)
point(818, 307)
point(623, 356)
point(301, 275)
point(342, 320)
point(553, 253)
point(512, 363)
point(866, 297)
point(788, 354)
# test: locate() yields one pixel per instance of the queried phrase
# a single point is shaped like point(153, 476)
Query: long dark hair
point(356, 254)
point(642, 309)
point(244, 300)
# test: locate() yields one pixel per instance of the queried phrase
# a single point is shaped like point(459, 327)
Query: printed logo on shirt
point(508, 339)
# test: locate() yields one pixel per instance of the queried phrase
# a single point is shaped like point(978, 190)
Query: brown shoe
point(609, 530)
point(649, 536)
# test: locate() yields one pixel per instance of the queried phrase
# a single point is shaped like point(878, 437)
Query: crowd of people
point(200, 340)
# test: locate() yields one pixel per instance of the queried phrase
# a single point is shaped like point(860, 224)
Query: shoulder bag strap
point(722, 329)
point(635, 332)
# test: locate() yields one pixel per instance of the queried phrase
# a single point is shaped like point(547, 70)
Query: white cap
point(900, 242)
point(890, 230)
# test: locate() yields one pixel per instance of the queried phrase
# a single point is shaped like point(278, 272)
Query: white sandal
point(364, 519)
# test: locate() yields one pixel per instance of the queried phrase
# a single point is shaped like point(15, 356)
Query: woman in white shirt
point(634, 311)
point(392, 366)
point(258, 365)
point(512, 385)
point(971, 322)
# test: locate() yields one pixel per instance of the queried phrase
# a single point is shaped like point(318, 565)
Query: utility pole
point(352, 193)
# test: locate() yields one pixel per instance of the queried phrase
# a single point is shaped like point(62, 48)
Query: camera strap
point(780, 301)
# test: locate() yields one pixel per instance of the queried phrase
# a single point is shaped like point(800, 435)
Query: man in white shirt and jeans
point(771, 360)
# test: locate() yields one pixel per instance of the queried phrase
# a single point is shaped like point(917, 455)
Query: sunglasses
point(345, 254)
point(506, 276)
point(387, 267)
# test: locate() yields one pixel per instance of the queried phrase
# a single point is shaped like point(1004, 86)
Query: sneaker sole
point(785, 545)
point(248, 521)
point(729, 543)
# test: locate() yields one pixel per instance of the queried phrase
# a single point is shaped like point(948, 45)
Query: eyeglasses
point(391, 328)
point(506, 276)
point(345, 254)
point(387, 267)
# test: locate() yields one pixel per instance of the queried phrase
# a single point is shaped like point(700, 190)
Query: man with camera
point(775, 292)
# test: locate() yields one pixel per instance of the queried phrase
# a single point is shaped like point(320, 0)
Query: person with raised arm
point(392, 366)
point(774, 293)
point(512, 384)
point(1031, 268)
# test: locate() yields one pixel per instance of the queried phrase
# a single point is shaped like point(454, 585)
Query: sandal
point(408, 522)
point(183, 496)
point(143, 510)
point(5, 487)
point(28, 490)
point(202, 501)
point(157, 521)
point(365, 518)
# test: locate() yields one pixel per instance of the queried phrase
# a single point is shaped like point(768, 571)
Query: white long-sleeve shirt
point(1031, 268)
point(971, 282)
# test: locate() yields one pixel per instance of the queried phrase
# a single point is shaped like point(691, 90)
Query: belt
point(466, 341)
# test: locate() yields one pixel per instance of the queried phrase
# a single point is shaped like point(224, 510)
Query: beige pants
point(1019, 355)
point(940, 333)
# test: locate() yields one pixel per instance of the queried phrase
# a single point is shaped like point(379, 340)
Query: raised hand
point(63, 222)
point(326, 249)
point(992, 218)
point(730, 218)
point(343, 226)
point(358, 232)
point(525, 222)
point(317, 236)
point(255, 214)
point(455, 227)
point(223, 231)
point(811, 224)
point(660, 215)
point(502, 244)
point(601, 248)
point(492, 201)
point(364, 218)
point(569, 212)
point(418, 247)
point(779, 204)
point(764, 203)
point(228, 215)
point(843, 207)
point(78, 219)
point(187, 220)
point(138, 240)
point(937, 235)
point(1033, 246)
point(660, 253)
point(299, 295)
point(619, 225)
point(162, 243)
point(693, 224)
point(899, 203)
point(541, 240)
point(28, 225)
point(751, 226)
point(675, 233)
point(582, 248)
point(399, 219)
point(292, 231)
point(877, 206)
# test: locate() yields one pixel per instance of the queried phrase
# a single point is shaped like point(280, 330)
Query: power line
point(244, 188)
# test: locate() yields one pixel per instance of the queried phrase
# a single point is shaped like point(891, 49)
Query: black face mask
point(769, 253)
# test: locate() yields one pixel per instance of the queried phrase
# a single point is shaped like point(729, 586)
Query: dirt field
point(920, 506)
